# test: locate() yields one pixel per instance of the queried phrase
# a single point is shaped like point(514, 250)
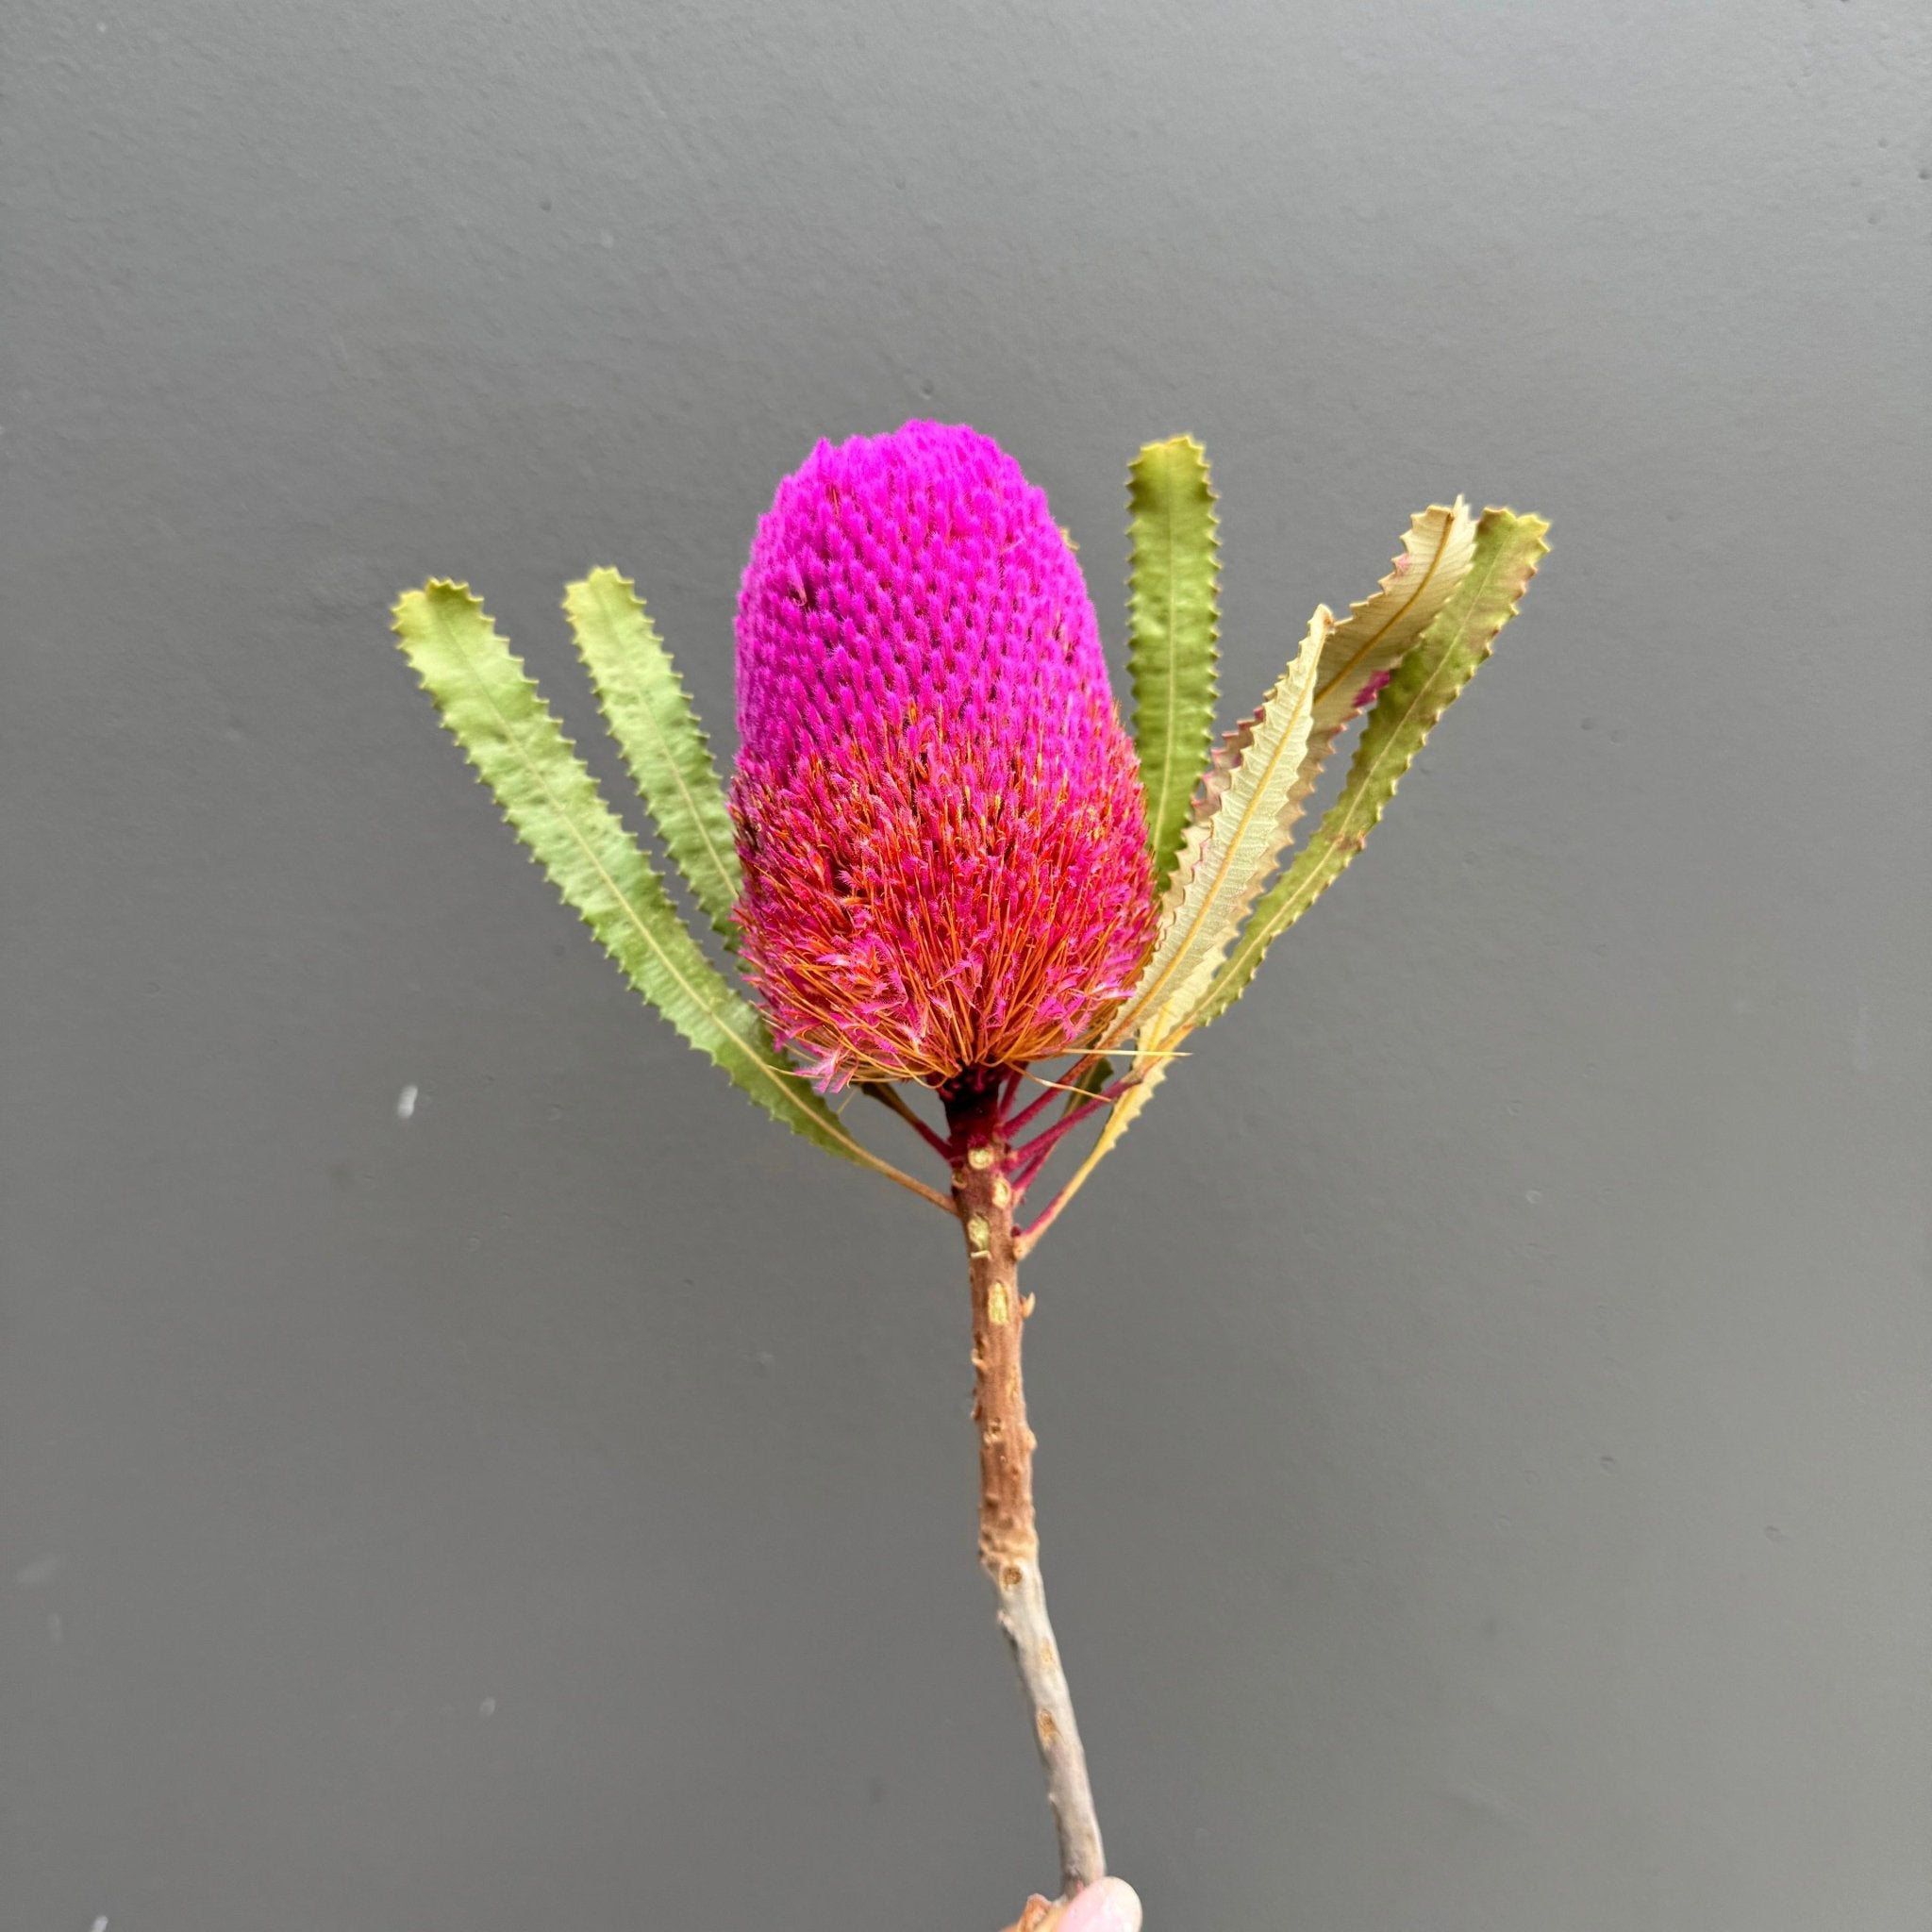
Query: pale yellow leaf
point(1231, 853)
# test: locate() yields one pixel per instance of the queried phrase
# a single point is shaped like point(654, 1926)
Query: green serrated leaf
point(1230, 854)
point(1430, 678)
point(494, 711)
point(650, 715)
point(1173, 620)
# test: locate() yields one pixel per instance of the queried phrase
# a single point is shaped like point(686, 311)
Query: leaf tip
point(603, 576)
point(425, 597)
point(1527, 520)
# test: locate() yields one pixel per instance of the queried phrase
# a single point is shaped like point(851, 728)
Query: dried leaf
point(1373, 637)
point(1230, 854)
point(1430, 678)
point(1367, 645)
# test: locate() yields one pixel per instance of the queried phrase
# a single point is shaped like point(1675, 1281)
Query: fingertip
point(1110, 1905)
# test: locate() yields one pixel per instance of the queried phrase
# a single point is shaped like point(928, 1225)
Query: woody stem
point(1009, 1540)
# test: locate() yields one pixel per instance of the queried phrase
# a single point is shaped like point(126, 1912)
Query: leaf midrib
point(1427, 578)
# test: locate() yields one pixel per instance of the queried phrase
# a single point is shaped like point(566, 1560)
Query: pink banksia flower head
point(936, 808)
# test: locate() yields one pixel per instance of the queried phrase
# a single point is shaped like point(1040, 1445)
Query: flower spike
point(939, 812)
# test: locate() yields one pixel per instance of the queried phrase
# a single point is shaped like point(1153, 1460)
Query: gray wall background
point(1483, 1405)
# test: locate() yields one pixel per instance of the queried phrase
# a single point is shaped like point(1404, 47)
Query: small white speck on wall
point(405, 1102)
point(101, 1924)
point(488, 1706)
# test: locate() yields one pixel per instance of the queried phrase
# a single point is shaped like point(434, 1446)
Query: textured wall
point(1483, 1404)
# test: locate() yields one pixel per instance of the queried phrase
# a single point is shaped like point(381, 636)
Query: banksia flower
point(937, 812)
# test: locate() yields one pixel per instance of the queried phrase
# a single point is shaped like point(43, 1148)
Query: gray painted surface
point(1484, 1403)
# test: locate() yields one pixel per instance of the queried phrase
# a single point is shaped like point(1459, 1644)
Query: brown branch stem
point(1009, 1538)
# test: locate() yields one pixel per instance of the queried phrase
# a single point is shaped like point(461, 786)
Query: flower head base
point(937, 811)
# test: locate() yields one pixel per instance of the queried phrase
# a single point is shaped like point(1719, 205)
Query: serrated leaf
point(1435, 555)
point(1365, 646)
point(1173, 622)
point(1356, 659)
point(650, 715)
point(1430, 678)
point(1228, 856)
point(1369, 643)
point(494, 709)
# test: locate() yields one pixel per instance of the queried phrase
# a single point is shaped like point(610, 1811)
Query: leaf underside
point(1430, 679)
point(1367, 645)
point(650, 715)
point(494, 711)
point(1229, 853)
point(1173, 624)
